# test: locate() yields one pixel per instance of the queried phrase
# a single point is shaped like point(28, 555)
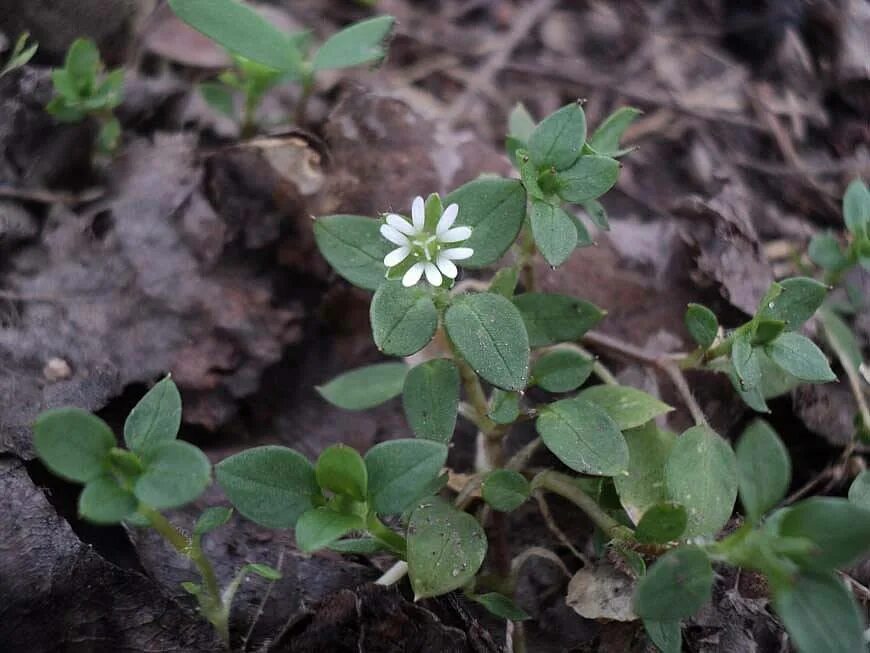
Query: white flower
point(424, 247)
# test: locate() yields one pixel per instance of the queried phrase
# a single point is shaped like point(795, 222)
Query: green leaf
point(342, 470)
point(763, 469)
point(561, 370)
point(824, 250)
point(504, 282)
point(501, 606)
point(557, 140)
point(403, 319)
point(104, 502)
point(628, 407)
point(211, 519)
point(64, 86)
point(554, 232)
point(270, 485)
point(320, 527)
point(767, 331)
point(584, 437)
point(800, 357)
point(701, 474)
point(644, 486)
point(240, 29)
point(489, 333)
point(495, 209)
point(357, 545)
point(606, 138)
point(597, 213)
point(361, 43)
point(505, 490)
point(109, 135)
point(82, 62)
point(400, 471)
point(365, 387)
point(431, 399)
point(676, 586)
point(520, 123)
point(841, 339)
point(504, 407)
point(589, 178)
point(552, 318)
point(796, 303)
point(264, 571)
point(21, 54)
point(353, 245)
point(666, 635)
point(745, 359)
point(839, 530)
point(859, 491)
point(156, 418)
point(73, 443)
point(175, 473)
point(820, 615)
point(446, 547)
point(219, 97)
point(702, 325)
point(662, 523)
point(856, 208)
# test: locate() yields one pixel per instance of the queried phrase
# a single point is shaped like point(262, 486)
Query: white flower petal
point(399, 223)
point(447, 267)
point(397, 256)
point(447, 219)
point(457, 253)
point(455, 235)
point(433, 275)
point(418, 213)
point(392, 234)
point(413, 274)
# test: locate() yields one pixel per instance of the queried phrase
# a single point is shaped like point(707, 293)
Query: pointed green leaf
point(702, 325)
point(446, 547)
point(666, 635)
point(859, 491)
point(501, 606)
point(73, 443)
point(240, 29)
point(361, 43)
point(557, 140)
point(552, 318)
point(403, 319)
point(662, 523)
point(644, 486)
point(156, 418)
point(489, 333)
point(505, 490)
point(104, 502)
point(353, 245)
point(628, 407)
point(270, 485)
point(495, 209)
point(589, 178)
point(431, 399)
point(400, 471)
point(747, 364)
point(856, 208)
point(264, 571)
point(561, 370)
point(320, 527)
point(796, 302)
point(597, 213)
point(365, 387)
point(800, 357)
point(584, 437)
point(520, 123)
point(211, 519)
point(606, 138)
point(554, 232)
point(341, 469)
point(701, 474)
point(504, 282)
point(839, 529)
point(175, 473)
point(820, 615)
point(824, 250)
point(676, 586)
point(763, 468)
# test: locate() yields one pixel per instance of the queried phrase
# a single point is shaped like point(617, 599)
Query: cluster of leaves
point(264, 56)
point(21, 54)
point(156, 472)
point(83, 89)
point(826, 251)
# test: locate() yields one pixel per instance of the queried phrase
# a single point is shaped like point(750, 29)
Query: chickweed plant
point(264, 56)
point(497, 352)
point(82, 89)
point(22, 53)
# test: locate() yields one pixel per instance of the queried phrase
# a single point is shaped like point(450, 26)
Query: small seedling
point(21, 54)
point(264, 56)
point(155, 472)
point(83, 89)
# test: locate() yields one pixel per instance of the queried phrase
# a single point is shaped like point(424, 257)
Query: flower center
point(425, 247)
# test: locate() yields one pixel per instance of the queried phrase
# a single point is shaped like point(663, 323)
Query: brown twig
point(45, 196)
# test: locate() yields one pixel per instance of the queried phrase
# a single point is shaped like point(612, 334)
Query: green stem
point(564, 485)
point(722, 349)
point(392, 539)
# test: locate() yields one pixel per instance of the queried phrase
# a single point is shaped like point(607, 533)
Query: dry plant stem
point(259, 612)
point(218, 612)
point(666, 363)
point(564, 485)
point(553, 527)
